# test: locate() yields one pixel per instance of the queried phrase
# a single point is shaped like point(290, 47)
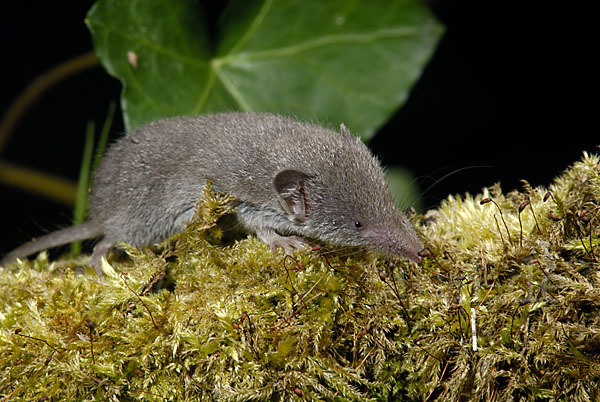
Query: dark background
point(509, 88)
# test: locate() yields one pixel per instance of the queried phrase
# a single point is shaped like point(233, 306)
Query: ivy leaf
point(329, 61)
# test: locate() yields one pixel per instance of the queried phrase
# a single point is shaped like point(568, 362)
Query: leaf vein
point(256, 23)
point(233, 91)
point(153, 46)
point(320, 42)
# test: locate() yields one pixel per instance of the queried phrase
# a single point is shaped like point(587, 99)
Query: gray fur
point(149, 182)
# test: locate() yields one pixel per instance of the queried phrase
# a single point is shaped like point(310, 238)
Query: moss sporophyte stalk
point(504, 307)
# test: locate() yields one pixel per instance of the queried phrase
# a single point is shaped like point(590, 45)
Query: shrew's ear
point(289, 188)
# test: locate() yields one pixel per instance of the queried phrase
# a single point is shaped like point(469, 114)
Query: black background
point(510, 87)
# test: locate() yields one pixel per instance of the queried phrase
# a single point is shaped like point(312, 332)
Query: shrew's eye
point(357, 224)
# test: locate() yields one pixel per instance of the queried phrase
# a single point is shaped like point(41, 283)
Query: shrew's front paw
point(274, 240)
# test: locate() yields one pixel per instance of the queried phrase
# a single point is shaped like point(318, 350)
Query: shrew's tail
point(84, 231)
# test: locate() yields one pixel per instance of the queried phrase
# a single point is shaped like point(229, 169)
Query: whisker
point(431, 176)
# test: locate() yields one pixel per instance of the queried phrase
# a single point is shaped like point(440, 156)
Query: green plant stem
point(83, 183)
point(40, 85)
point(47, 185)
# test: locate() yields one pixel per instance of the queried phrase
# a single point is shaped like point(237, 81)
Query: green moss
point(198, 319)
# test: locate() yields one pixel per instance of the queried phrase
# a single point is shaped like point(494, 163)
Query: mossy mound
point(201, 321)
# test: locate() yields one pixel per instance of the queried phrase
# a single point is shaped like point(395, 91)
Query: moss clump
point(196, 319)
